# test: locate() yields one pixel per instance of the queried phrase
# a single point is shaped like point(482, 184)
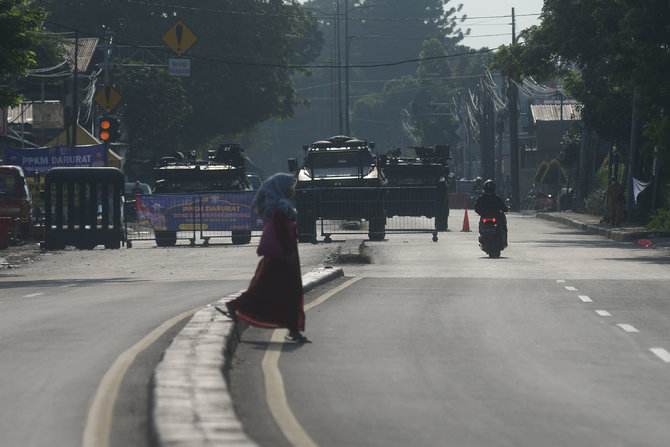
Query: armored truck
point(224, 170)
point(418, 184)
point(339, 179)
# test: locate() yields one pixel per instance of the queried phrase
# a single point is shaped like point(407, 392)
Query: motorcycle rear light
point(490, 219)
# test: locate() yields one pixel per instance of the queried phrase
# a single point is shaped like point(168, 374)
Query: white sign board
point(48, 115)
point(179, 66)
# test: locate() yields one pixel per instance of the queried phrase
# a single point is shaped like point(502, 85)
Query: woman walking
point(274, 298)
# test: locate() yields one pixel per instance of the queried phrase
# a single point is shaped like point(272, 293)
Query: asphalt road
point(433, 344)
point(561, 342)
point(67, 316)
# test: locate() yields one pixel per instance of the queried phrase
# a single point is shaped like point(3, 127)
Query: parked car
point(15, 200)
point(131, 190)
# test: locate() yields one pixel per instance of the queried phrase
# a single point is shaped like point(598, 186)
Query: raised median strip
point(591, 225)
point(191, 402)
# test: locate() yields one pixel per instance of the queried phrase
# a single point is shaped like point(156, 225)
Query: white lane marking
point(570, 288)
point(99, 419)
point(275, 394)
point(585, 299)
point(603, 313)
point(33, 295)
point(661, 353)
point(337, 289)
point(628, 327)
point(560, 280)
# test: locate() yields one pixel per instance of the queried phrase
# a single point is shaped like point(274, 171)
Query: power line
point(211, 59)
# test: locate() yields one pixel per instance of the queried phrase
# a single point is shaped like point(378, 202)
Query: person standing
point(274, 298)
point(614, 197)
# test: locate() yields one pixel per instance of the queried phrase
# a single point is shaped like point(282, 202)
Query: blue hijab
point(274, 194)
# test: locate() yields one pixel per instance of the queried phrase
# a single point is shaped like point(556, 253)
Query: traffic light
point(108, 129)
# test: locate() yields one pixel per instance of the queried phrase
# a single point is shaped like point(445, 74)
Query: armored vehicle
point(224, 170)
point(408, 178)
point(339, 179)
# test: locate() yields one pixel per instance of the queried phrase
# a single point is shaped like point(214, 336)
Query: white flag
point(638, 187)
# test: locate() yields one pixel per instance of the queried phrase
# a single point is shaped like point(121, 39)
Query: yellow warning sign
point(107, 97)
point(179, 38)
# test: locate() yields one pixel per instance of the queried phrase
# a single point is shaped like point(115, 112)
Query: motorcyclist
point(492, 205)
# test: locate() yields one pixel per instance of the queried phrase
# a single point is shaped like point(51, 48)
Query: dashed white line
point(628, 327)
point(570, 288)
point(603, 313)
point(560, 280)
point(33, 295)
point(661, 353)
point(585, 299)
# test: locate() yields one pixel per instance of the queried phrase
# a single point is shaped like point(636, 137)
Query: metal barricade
point(83, 208)
point(167, 218)
point(375, 211)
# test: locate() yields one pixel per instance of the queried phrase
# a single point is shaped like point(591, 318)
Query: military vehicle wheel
point(306, 231)
point(166, 238)
point(241, 237)
point(443, 220)
point(113, 245)
point(377, 228)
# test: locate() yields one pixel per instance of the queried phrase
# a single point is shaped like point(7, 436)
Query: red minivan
point(15, 200)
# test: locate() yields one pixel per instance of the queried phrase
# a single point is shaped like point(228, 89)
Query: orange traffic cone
point(466, 222)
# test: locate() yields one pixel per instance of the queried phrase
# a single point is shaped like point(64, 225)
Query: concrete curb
point(191, 403)
point(620, 234)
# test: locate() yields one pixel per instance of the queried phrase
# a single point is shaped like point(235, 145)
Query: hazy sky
point(488, 29)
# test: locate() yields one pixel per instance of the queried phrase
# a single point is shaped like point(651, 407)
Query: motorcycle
point(492, 235)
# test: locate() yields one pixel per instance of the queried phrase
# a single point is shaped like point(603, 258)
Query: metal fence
point(372, 211)
point(168, 218)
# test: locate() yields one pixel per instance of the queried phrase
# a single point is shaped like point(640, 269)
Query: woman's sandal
point(229, 312)
point(297, 337)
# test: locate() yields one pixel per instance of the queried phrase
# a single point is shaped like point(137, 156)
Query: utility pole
point(339, 67)
point(75, 95)
point(514, 133)
point(346, 68)
point(632, 156)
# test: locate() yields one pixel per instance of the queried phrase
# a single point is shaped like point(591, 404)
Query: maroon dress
point(274, 298)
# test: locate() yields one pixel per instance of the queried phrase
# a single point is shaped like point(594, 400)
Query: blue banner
point(44, 158)
point(225, 211)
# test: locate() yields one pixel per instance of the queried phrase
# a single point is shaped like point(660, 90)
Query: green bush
point(660, 221)
point(594, 203)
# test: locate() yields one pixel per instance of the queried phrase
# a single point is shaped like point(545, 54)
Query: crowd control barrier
point(375, 211)
point(170, 218)
point(82, 207)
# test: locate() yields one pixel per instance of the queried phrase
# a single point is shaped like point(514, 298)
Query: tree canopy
point(379, 48)
point(604, 50)
point(19, 25)
point(241, 63)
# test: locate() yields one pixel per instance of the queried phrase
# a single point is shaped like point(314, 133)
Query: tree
point(241, 63)
point(604, 49)
point(18, 27)
point(160, 132)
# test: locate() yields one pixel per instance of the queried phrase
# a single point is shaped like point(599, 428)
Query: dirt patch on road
point(18, 254)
